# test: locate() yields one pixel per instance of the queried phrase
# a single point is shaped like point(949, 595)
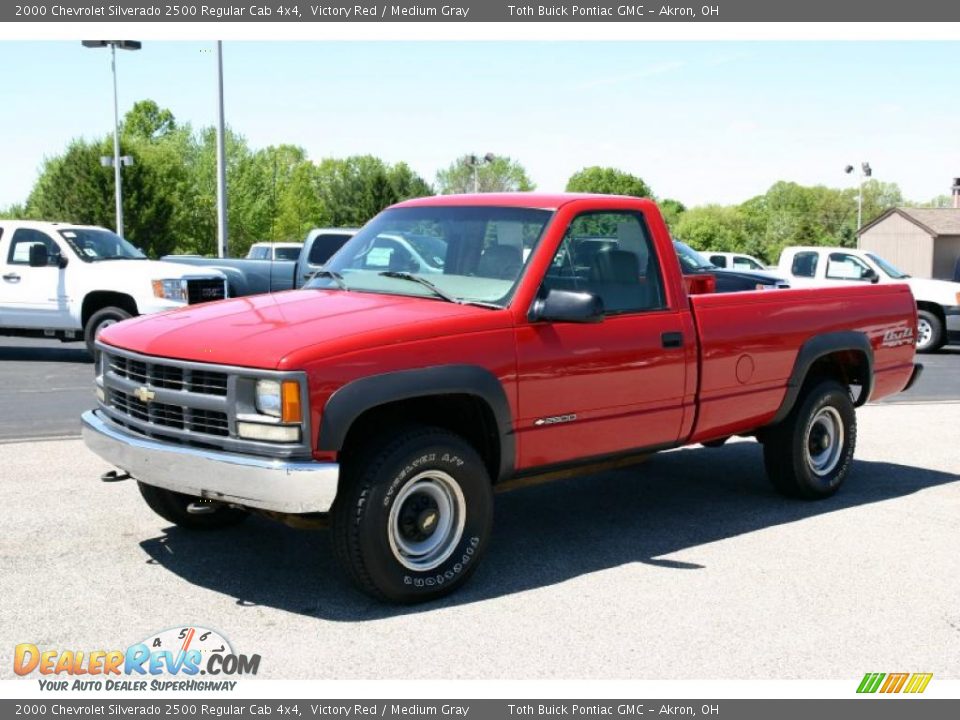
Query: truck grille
point(179, 417)
point(201, 290)
point(187, 403)
point(172, 377)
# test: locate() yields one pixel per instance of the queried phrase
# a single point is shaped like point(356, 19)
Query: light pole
point(221, 160)
point(117, 160)
point(865, 172)
point(474, 162)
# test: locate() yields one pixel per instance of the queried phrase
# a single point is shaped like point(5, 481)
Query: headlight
point(268, 397)
point(279, 400)
point(279, 414)
point(174, 289)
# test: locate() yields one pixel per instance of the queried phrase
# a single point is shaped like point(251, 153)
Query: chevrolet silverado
point(390, 400)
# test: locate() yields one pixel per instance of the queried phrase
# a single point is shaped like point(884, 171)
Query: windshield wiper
point(333, 275)
point(401, 275)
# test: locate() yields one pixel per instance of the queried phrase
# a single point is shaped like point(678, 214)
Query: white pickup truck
point(71, 281)
point(938, 301)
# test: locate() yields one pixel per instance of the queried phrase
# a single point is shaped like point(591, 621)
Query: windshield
point(466, 254)
point(690, 259)
point(94, 244)
point(887, 267)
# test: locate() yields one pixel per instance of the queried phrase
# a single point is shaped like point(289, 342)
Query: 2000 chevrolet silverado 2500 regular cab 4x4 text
point(392, 401)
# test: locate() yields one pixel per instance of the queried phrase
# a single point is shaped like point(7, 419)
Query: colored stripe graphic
point(870, 682)
point(918, 682)
point(894, 682)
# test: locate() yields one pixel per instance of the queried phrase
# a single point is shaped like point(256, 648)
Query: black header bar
point(78, 11)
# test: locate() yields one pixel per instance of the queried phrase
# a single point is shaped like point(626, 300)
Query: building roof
point(934, 221)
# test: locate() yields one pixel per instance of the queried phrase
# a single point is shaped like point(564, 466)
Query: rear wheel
point(101, 319)
point(413, 517)
point(172, 506)
point(808, 455)
point(930, 335)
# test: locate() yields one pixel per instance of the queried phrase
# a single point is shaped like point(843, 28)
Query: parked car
point(734, 261)
point(247, 276)
point(938, 301)
point(274, 251)
point(391, 403)
point(693, 263)
point(70, 281)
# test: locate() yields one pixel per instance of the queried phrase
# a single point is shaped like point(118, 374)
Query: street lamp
point(117, 160)
point(474, 162)
point(865, 172)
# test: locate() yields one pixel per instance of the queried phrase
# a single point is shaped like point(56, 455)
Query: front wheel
point(172, 507)
point(101, 319)
point(808, 455)
point(930, 335)
point(412, 518)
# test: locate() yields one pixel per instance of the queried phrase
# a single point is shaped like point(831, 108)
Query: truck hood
point(266, 331)
point(942, 292)
point(149, 270)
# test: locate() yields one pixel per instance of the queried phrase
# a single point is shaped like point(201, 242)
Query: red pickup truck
point(460, 343)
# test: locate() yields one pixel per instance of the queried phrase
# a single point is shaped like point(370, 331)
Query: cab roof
point(542, 201)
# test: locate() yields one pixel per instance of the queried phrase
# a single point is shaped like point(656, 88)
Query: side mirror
point(39, 257)
point(567, 306)
point(871, 275)
point(61, 261)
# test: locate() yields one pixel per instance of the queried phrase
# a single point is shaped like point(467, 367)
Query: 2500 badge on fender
point(461, 344)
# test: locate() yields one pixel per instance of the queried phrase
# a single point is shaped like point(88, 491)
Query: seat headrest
point(615, 266)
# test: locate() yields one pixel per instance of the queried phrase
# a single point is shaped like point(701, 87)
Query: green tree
point(608, 181)
point(499, 174)
point(148, 121)
point(354, 189)
point(671, 211)
point(713, 227)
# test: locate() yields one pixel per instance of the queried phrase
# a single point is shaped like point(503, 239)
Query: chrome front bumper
point(278, 485)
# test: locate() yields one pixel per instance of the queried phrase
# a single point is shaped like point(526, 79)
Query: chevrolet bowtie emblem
point(144, 394)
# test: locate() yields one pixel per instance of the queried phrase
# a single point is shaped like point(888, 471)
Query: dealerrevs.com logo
point(173, 659)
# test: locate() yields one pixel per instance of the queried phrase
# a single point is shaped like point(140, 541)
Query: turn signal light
point(290, 412)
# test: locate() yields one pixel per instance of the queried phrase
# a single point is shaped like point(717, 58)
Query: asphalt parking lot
point(687, 566)
point(50, 383)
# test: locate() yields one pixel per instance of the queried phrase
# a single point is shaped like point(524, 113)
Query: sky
point(701, 122)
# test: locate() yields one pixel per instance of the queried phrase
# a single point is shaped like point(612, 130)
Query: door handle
point(672, 339)
point(11, 277)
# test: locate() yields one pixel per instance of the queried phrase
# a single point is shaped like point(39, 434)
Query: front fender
point(359, 396)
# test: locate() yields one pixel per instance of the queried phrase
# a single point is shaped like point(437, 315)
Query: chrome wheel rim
point(824, 441)
point(924, 332)
point(426, 521)
point(105, 324)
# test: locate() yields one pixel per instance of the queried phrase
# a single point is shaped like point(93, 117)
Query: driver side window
point(841, 266)
point(21, 242)
point(610, 255)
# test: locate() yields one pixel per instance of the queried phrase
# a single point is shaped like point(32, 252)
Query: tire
point(172, 507)
point(797, 463)
point(930, 335)
point(413, 516)
point(99, 320)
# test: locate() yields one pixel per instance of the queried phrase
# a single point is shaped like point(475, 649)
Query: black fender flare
point(353, 399)
point(820, 346)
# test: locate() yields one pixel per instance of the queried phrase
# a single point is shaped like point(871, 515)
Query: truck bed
point(749, 346)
